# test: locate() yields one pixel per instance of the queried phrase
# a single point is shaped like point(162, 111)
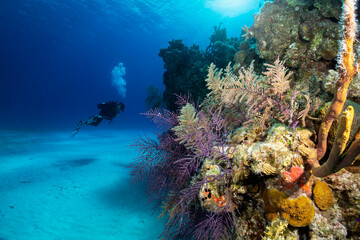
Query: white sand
point(53, 186)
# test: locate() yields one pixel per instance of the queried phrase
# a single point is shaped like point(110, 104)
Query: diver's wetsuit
point(109, 110)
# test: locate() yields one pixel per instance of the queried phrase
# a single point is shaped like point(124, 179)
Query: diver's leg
point(94, 120)
point(76, 129)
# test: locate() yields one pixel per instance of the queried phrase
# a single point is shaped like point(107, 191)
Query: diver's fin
point(76, 129)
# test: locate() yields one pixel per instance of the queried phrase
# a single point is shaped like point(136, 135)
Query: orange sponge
point(323, 195)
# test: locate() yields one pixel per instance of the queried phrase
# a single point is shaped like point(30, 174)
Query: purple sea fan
point(164, 119)
point(215, 226)
point(191, 221)
point(170, 164)
point(156, 166)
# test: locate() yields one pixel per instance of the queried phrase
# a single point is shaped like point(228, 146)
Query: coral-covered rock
point(210, 197)
point(329, 8)
point(328, 226)
point(323, 196)
point(245, 135)
point(250, 228)
point(186, 67)
point(306, 146)
point(294, 179)
point(345, 186)
point(185, 72)
point(303, 33)
point(269, 158)
point(354, 87)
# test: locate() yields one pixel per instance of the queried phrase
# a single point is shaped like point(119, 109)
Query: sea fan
point(164, 119)
point(156, 165)
point(170, 165)
point(215, 226)
point(252, 98)
point(188, 220)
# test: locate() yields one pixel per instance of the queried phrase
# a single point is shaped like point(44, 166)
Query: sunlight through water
point(232, 8)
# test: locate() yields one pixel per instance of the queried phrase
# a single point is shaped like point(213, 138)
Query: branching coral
point(278, 230)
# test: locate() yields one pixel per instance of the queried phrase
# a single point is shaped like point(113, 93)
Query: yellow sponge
point(323, 195)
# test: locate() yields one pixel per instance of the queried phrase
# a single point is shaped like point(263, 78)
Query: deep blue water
point(56, 56)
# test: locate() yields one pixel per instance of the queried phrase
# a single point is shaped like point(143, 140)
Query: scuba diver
point(109, 110)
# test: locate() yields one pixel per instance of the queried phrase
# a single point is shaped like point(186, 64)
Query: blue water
point(56, 56)
point(56, 59)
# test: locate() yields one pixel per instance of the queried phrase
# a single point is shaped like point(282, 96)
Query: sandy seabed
point(53, 186)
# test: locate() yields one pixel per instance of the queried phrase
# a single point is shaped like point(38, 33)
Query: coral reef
point(186, 67)
point(258, 158)
point(328, 226)
point(185, 71)
point(303, 33)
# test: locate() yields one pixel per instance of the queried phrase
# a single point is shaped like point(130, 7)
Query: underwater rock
point(221, 49)
point(245, 135)
point(329, 8)
point(250, 227)
point(269, 158)
point(354, 87)
point(209, 194)
point(297, 32)
point(328, 226)
point(345, 187)
point(281, 149)
point(246, 54)
point(294, 179)
point(186, 67)
point(185, 72)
